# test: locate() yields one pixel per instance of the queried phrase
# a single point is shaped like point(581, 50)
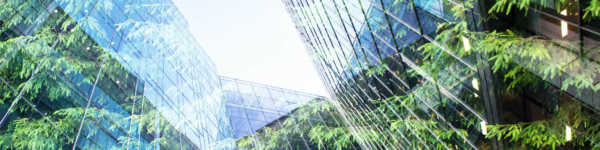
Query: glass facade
point(106, 74)
point(253, 107)
point(370, 55)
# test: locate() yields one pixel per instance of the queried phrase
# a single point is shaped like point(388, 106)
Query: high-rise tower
point(444, 74)
point(104, 74)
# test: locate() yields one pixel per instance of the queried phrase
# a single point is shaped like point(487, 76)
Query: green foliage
point(591, 10)
point(523, 62)
point(377, 70)
point(545, 134)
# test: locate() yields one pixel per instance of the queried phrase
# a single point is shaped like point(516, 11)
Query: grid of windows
point(365, 49)
point(130, 66)
point(252, 106)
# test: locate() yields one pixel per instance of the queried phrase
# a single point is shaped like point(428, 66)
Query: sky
point(252, 40)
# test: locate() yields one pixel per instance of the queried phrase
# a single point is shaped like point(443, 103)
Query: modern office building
point(253, 107)
point(131, 67)
point(369, 54)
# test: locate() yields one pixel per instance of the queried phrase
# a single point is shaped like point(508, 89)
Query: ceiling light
point(483, 128)
point(563, 25)
point(466, 43)
point(568, 133)
point(475, 84)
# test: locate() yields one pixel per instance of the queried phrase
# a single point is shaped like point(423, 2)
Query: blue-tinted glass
point(261, 91)
point(271, 117)
point(255, 115)
point(267, 103)
point(250, 100)
point(257, 125)
point(236, 111)
point(240, 124)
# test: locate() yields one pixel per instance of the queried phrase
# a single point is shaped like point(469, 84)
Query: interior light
point(475, 84)
point(563, 25)
point(483, 128)
point(466, 43)
point(568, 133)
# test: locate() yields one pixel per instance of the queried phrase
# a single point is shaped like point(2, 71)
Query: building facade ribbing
point(370, 50)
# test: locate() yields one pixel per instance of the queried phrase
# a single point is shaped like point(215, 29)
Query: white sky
point(252, 40)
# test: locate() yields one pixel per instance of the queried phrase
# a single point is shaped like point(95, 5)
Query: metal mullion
point(329, 37)
point(392, 33)
point(312, 31)
point(335, 64)
point(349, 65)
point(360, 65)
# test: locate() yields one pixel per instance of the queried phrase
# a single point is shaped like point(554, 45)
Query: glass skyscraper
point(106, 74)
point(254, 107)
point(392, 60)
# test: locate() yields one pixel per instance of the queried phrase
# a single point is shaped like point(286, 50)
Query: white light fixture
point(475, 84)
point(112, 43)
point(55, 11)
point(483, 128)
point(466, 43)
point(568, 133)
point(117, 82)
point(563, 25)
point(88, 48)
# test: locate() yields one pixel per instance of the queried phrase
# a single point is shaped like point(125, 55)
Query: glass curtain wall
point(101, 74)
point(397, 73)
point(254, 107)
